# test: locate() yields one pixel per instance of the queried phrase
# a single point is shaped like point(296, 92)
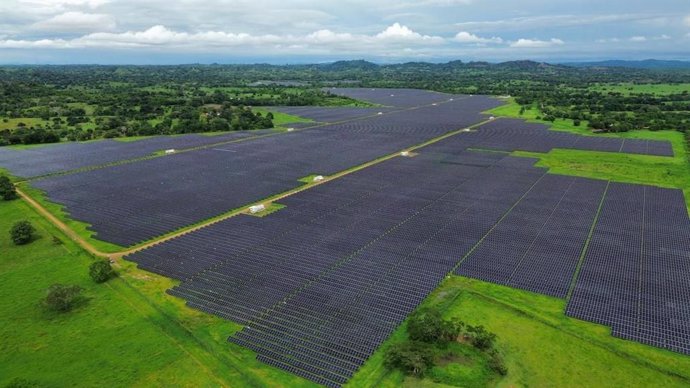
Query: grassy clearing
point(542, 347)
point(104, 341)
point(12, 123)
point(629, 88)
point(281, 119)
point(128, 333)
point(672, 172)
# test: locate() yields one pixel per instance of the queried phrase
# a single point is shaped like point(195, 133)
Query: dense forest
point(51, 103)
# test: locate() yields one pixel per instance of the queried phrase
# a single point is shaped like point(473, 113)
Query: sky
point(313, 31)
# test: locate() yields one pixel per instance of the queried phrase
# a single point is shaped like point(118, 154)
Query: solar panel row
point(514, 134)
point(53, 158)
point(345, 262)
point(538, 245)
point(131, 203)
point(634, 276)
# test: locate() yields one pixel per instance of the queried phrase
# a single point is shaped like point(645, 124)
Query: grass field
point(629, 88)
point(672, 172)
point(127, 333)
point(541, 346)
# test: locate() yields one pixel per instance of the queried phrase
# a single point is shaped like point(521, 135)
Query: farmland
point(318, 289)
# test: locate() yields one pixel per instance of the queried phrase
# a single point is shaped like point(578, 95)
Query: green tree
point(7, 189)
point(480, 337)
point(100, 271)
point(62, 298)
point(427, 325)
point(411, 357)
point(22, 232)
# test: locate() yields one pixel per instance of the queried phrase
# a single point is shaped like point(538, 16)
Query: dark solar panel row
point(403, 98)
point(134, 202)
point(329, 114)
point(538, 245)
point(347, 260)
point(635, 273)
point(53, 158)
point(515, 134)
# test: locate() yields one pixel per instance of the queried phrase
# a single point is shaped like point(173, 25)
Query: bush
point(22, 232)
point(22, 383)
point(62, 298)
point(427, 325)
point(411, 357)
point(480, 337)
point(497, 365)
point(100, 271)
point(7, 189)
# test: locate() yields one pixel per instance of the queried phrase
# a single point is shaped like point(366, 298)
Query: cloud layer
point(381, 29)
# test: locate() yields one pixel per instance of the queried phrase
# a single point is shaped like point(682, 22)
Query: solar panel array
point(329, 114)
point(538, 245)
point(514, 134)
point(321, 283)
point(134, 202)
point(404, 98)
point(635, 273)
point(53, 158)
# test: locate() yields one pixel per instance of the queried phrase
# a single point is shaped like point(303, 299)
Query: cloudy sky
point(298, 31)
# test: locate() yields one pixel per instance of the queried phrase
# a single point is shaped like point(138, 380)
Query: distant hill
point(646, 64)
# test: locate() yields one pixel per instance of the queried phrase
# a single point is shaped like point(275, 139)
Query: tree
point(480, 337)
point(427, 325)
point(22, 232)
point(62, 298)
point(100, 271)
point(7, 189)
point(411, 357)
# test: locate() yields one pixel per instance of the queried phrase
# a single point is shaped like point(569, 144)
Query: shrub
point(22, 232)
point(411, 357)
point(100, 271)
point(62, 298)
point(22, 383)
point(427, 325)
point(480, 337)
point(7, 189)
point(497, 365)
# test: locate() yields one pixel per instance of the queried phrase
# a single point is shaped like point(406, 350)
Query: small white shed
point(257, 208)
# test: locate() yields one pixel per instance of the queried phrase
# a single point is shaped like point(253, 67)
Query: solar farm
point(420, 189)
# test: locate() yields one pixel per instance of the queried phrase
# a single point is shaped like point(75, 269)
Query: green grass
point(541, 346)
point(128, 333)
point(29, 121)
point(310, 178)
point(104, 341)
point(281, 119)
point(77, 226)
point(629, 88)
point(271, 208)
point(671, 172)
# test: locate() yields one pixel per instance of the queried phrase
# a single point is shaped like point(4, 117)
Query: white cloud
point(75, 21)
point(686, 21)
point(638, 39)
point(535, 43)
point(467, 37)
point(396, 31)
point(160, 36)
point(549, 21)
